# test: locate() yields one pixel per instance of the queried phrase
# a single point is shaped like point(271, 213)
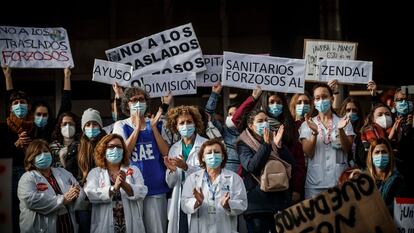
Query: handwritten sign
point(174, 50)
point(357, 72)
point(356, 207)
point(270, 73)
point(212, 74)
point(111, 72)
point(404, 214)
point(316, 50)
point(26, 47)
point(176, 83)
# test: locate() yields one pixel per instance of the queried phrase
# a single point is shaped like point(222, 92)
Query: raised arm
point(245, 107)
point(7, 75)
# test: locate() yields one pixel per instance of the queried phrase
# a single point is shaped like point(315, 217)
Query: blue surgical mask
point(20, 110)
point(92, 132)
point(323, 106)
point(43, 160)
point(302, 109)
point(381, 161)
point(114, 155)
point(275, 109)
point(40, 121)
point(402, 107)
point(186, 131)
point(353, 116)
point(141, 106)
point(213, 160)
point(260, 127)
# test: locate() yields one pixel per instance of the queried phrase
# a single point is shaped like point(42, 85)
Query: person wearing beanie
point(92, 132)
point(146, 148)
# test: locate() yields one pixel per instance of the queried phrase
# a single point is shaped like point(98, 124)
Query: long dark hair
point(57, 134)
point(342, 111)
point(290, 135)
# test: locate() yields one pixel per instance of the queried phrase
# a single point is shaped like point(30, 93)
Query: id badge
point(211, 207)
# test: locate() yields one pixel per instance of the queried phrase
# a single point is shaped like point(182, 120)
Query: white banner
point(404, 214)
point(6, 223)
point(357, 72)
point(176, 83)
point(111, 72)
point(212, 74)
point(26, 47)
point(270, 73)
point(316, 50)
point(174, 50)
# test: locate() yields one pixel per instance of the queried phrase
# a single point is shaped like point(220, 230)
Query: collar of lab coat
point(197, 144)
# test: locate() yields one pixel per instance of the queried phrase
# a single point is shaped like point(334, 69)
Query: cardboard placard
point(316, 50)
point(270, 73)
point(356, 207)
point(27, 47)
point(111, 72)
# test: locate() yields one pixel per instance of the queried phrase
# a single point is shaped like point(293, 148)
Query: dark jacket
point(254, 162)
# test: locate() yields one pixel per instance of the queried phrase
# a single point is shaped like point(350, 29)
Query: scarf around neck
point(19, 125)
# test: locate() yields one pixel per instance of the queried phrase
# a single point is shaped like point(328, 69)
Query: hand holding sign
point(257, 92)
point(117, 90)
point(372, 87)
point(217, 88)
point(333, 84)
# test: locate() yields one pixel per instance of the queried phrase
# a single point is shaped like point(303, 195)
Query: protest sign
point(171, 51)
point(316, 50)
point(404, 214)
point(26, 47)
point(5, 195)
point(270, 73)
point(356, 207)
point(176, 83)
point(111, 72)
point(212, 74)
point(345, 71)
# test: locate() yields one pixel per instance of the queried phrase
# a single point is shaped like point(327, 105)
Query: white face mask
point(384, 121)
point(229, 122)
point(68, 131)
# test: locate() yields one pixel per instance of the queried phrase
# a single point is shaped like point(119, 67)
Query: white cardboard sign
point(174, 50)
point(111, 72)
point(316, 50)
point(212, 74)
point(176, 83)
point(270, 73)
point(345, 71)
point(27, 47)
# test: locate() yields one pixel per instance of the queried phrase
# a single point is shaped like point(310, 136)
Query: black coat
point(254, 162)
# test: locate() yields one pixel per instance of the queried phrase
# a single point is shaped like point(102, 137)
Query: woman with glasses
point(115, 188)
point(326, 140)
point(146, 148)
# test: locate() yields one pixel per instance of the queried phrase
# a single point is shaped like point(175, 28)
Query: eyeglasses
point(134, 100)
point(111, 146)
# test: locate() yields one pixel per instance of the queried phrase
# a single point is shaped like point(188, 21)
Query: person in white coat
point(213, 196)
point(115, 189)
point(47, 195)
point(182, 160)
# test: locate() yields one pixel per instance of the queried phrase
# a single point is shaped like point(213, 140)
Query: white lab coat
point(97, 189)
point(175, 179)
point(39, 209)
point(222, 220)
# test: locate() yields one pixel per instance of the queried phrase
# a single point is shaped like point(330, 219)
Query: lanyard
point(327, 138)
point(211, 187)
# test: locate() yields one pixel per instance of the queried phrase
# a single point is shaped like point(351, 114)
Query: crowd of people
point(182, 169)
